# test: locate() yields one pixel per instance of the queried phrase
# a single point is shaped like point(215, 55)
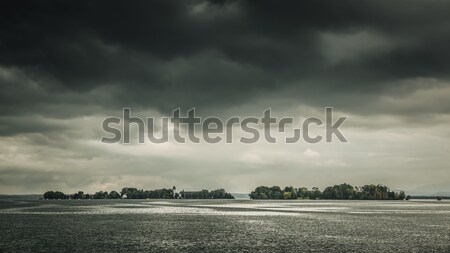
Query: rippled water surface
point(224, 226)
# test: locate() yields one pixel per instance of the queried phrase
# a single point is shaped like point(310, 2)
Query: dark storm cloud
point(81, 57)
point(66, 65)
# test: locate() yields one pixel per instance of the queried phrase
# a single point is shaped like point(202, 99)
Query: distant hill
point(20, 197)
point(439, 189)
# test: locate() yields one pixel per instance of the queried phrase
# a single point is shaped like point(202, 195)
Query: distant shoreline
point(39, 197)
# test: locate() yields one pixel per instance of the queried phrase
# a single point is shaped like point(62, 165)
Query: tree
point(54, 195)
point(114, 195)
point(59, 195)
point(289, 192)
point(287, 195)
point(263, 196)
point(261, 192)
point(302, 192)
point(275, 192)
point(401, 195)
point(49, 195)
point(314, 193)
point(101, 195)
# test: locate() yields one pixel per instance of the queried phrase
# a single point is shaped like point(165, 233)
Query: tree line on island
point(134, 193)
point(341, 191)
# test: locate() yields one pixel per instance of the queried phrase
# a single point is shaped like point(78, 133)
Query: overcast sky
point(66, 65)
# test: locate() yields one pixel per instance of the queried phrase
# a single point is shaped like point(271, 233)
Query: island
point(134, 193)
point(341, 191)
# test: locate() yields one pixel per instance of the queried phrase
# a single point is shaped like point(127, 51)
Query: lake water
point(224, 226)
